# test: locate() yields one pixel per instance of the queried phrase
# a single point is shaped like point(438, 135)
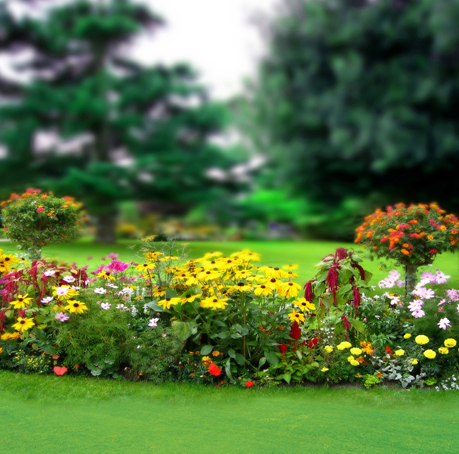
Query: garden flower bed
point(225, 321)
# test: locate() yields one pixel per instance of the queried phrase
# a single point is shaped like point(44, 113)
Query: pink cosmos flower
point(164, 335)
point(61, 316)
point(444, 323)
point(112, 256)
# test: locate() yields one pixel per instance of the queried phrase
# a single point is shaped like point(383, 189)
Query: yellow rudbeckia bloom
point(75, 307)
point(23, 324)
point(296, 316)
point(21, 301)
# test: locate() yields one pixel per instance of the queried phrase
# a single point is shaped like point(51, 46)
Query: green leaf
point(239, 359)
point(262, 361)
point(287, 377)
point(272, 358)
point(228, 369)
point(9, 314)
point(182, 330)
point(299, 355)
point(358, 325)
point(368, 276)
point(319, 358)
point(154, 305)
point(345, 288)
point(206, 349)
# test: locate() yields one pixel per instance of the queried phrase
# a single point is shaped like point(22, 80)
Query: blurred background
point(230, 119)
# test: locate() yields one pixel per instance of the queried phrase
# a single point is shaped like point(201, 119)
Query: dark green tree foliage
point(356, 103)
point(146, 129)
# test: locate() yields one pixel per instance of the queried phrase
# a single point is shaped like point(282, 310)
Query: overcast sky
point(215, 36)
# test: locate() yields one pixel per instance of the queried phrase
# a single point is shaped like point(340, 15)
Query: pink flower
point(40, 209)
point(61, 316)
point(444, 323)
point(164, 335)
point(112, 256)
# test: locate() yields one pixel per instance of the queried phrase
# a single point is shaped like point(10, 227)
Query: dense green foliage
point(40, 220)
point(134, 132)
point(355, 105)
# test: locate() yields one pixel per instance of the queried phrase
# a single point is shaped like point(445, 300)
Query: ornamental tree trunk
point(410, 278)
point(105, 228)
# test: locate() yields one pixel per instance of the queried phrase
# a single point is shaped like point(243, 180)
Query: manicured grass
point(43, 414)
point(275, 253)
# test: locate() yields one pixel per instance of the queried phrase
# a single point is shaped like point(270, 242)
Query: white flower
point(121, 307)
point(100, 290)
point(74, 287)
point(111, 285)
point(133, 311)
point(62, 291)
point(69, 279)
point(444, 323)
point(47, 300)
point(153, 322)
point(105, 306)
point(49, 273)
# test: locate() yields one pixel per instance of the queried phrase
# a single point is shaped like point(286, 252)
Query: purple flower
point(61, 316)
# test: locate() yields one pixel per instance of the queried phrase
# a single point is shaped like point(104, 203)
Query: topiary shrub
point(411, 236)
point(35, 220)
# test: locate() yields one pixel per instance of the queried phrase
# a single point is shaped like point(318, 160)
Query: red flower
point(249, 384)
point(433, 251)
point(283, 348)
point(295, 331)
point(60, 370)
point(388, 350)
point(312, 343)
point(214, 369)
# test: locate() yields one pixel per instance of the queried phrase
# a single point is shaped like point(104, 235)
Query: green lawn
point(304, 253)
point(47, 414)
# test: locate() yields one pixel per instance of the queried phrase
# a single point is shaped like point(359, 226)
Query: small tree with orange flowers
point(35, 219)
point(412, 236)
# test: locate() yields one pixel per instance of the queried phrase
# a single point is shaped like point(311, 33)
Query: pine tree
point(139, 132)
point(355, 103)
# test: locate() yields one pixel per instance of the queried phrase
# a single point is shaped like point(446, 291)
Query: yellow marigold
point(206, 358)
point(356, 351)
point(421, 339)
point(328, 349)
point(344, 345)
point(354, 363)
point(399, 352)
point(407, 336)
point(450, 343)
point(5, 336)
point(215, 353)
point(414, 362)
point(324, 369)
point(430, 354)
point(443, 350)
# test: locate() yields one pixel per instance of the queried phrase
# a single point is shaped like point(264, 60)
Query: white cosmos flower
point(105, 306)
point(100, 291)
point(69, 279)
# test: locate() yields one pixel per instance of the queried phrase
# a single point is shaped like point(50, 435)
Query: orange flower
point(405, 252)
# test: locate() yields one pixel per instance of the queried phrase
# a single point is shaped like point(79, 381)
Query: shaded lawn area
point(274, 253)
point(43, 414)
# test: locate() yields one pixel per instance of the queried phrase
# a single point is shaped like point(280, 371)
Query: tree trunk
point(105, 228)
point(410, 279)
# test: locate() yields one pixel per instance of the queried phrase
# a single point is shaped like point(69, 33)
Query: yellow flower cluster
point(214, 280)
point(8, 262)
point(66, 293)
